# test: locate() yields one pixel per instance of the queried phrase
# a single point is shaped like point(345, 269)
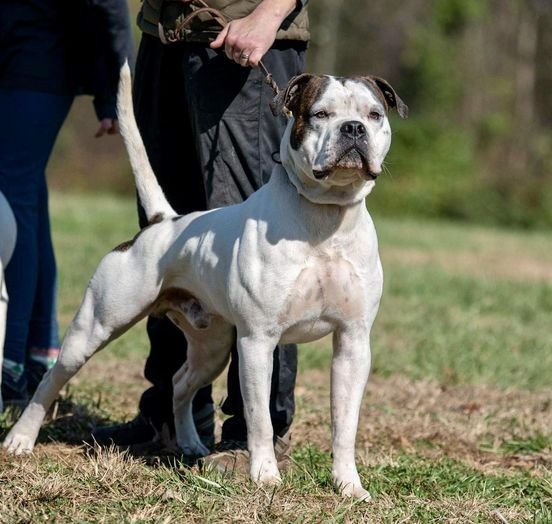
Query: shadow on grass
point(71, 422)
point(68, 421)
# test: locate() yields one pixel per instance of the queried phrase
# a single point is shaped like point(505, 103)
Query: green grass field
point(456, 424)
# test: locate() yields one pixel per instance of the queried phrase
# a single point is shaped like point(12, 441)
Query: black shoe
point(135, 432)
point(139, 433)
point(14, 393)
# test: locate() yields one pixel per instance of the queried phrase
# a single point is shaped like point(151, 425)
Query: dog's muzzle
point(352, 153)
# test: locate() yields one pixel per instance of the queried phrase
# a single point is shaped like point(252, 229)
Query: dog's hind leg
point(208, 353)
point(110, 306)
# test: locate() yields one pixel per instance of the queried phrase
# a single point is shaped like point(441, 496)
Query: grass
point(455, 427)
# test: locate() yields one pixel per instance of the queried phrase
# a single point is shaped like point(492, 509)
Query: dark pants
point(212, 141)
point(28, 129)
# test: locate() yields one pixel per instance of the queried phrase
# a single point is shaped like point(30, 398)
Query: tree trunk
point(328, 26)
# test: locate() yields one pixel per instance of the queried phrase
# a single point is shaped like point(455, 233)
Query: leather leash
point(223, 22)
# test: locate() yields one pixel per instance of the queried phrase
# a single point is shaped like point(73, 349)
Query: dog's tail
point(151, 195)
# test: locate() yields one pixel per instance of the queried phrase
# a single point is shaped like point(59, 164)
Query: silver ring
point(244, 57)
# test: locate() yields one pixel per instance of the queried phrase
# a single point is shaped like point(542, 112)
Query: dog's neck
point(322, 220)
point(327, 194)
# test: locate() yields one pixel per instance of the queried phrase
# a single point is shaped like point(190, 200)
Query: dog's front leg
point(255, 359)
point(350, 369)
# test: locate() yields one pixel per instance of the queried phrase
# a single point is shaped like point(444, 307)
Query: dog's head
point(338, 134)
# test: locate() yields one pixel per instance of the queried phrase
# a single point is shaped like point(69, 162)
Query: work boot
point(134, 432)
point(14, 386)
point(232, 456)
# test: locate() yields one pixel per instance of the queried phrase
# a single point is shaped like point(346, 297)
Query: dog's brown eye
point(374, 115)
point(321, 114)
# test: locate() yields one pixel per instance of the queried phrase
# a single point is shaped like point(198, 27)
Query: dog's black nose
point(353, 129)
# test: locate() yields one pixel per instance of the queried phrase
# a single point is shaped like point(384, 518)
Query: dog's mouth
point(352, 158)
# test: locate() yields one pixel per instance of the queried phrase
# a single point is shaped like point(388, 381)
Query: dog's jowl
point(294, 262)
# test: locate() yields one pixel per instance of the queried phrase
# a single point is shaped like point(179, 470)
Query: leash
point(222, 21)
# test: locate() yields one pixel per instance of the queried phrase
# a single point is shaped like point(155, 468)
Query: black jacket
point(67, 47)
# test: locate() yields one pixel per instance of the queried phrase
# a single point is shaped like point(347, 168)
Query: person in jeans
point(202, 107)
point(50, 51)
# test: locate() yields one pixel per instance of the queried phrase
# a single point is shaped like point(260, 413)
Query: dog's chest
point(328, 292)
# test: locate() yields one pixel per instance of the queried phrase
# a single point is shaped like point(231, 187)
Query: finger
point(240, 57)
point(229, 50)
point(255, 57)
point(230, 42)
point(219, 40)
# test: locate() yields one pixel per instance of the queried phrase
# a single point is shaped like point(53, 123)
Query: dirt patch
point(486, 427)
point(489, 264)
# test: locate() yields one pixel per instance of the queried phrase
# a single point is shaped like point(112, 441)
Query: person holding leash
point(50, 51)
point(202, 106)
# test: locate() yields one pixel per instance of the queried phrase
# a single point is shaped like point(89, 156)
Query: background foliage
point(477, 76)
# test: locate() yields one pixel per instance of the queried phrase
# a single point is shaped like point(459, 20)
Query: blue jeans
point(29, 126)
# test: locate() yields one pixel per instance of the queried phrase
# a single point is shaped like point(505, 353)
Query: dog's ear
point(287, 99)
point(392, 99)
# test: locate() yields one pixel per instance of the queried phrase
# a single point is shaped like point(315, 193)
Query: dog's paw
point(347, 481)
point(266, 474)
point(18, 444)
point(355, 491)
point(350, 486)
point(269, 480)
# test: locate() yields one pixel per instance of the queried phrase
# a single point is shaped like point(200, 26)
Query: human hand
point(246, 40)
point(108, 126)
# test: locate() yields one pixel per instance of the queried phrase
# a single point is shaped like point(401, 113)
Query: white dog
point(296, 261)
point(8, 235)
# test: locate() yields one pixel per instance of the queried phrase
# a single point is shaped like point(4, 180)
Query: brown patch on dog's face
point(297, 98)
point(302, 109)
